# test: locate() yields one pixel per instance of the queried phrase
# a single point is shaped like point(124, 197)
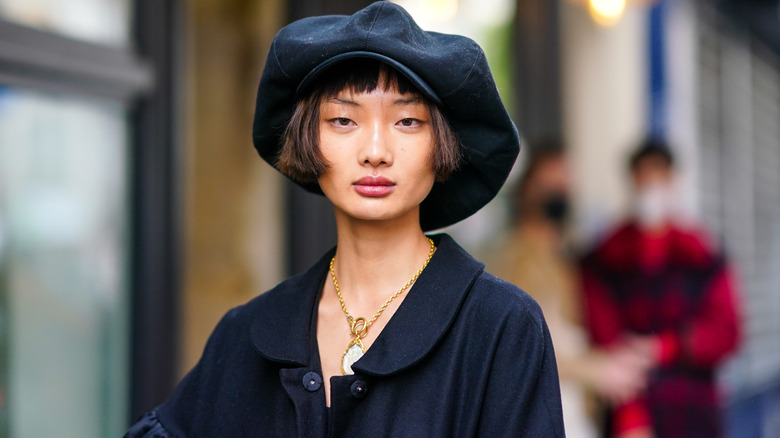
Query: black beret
point(451, 70)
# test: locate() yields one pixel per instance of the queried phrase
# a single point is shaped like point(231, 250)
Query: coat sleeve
point(523, 395)
point(712, 333)
point(704, 341)
point(602, 313)
point(148, 426)
point(167, 420)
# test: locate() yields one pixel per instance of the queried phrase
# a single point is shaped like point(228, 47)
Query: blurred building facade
point(87, 211)
point(134, 212)
point(704, 75)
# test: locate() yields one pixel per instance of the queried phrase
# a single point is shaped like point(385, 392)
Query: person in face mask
point(534, 256)
point(654, 203)
point(664, 290)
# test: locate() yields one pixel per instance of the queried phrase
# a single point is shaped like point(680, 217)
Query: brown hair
point(651, 147)
point(300, 157)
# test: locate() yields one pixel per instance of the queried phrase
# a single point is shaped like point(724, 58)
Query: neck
point(655, 231)
point(375, 258)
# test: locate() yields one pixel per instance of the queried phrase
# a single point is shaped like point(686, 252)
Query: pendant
point(354, 352)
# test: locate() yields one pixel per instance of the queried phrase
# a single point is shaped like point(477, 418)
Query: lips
point(375, 186)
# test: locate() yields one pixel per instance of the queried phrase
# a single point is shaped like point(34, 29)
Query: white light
point(606, 12)
point(430, 13)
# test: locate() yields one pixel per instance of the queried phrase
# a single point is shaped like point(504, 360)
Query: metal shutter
point(739, 127)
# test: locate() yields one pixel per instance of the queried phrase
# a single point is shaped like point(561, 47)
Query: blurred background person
point(534, 256)
point(660, 288)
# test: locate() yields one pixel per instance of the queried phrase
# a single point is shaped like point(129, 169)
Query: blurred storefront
point(86, 223)
point(134, 211)
point(738, 184)
point(706, 76)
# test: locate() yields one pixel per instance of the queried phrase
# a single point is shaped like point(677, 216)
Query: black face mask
point(556, 208)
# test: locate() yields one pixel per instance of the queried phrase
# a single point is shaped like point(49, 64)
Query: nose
point(378, 149)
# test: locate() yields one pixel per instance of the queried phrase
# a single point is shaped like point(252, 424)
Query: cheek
point(424, 173)
point(328, 154)
point(421, 150)
point(427, 158)
point(333, 153)
point(325, 145)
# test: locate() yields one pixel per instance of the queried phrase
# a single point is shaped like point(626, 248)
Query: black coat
point(466, 354)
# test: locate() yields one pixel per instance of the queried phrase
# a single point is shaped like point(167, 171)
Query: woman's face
point(378, 146)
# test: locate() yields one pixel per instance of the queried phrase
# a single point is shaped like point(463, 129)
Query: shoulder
point(503, 302)
point(235, 328)
point(238, 318)
point(284, 299)
point(616, 246)
point(231, 364)
point(522, 388)
point(695, 243)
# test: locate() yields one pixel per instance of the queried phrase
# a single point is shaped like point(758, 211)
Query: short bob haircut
point(300, 157)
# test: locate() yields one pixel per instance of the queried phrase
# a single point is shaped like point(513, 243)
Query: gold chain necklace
point(358, 327)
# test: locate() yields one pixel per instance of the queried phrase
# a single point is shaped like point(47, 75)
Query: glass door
point(64, 368)
point(89, 134)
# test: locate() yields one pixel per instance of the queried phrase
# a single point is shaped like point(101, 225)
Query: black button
point(359, 389)
point(312, 381)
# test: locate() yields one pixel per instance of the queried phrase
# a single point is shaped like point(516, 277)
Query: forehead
point(552, 167)
point(551, 172)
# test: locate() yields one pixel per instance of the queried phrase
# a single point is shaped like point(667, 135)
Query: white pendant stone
point(352, 355)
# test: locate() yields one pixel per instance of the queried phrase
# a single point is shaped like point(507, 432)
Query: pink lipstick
point(375, 186)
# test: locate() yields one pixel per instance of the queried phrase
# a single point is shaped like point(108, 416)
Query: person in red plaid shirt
point(665, 291)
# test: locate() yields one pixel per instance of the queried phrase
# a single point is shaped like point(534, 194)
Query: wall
point(604, 95)
point(235, 228)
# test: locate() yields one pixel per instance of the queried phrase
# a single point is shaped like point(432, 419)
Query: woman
point(393, 333)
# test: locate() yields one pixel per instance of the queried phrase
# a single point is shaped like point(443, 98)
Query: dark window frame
point(157, 204)
point(43, 60)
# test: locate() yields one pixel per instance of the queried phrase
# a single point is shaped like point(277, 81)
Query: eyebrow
point(345, 101)
point(409, 101)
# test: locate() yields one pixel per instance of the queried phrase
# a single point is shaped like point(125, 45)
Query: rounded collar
point(281, 331)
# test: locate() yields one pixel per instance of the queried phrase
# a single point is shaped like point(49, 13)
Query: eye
point(342, 121)
point(409, 122)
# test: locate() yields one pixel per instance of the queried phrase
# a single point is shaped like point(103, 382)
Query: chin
point(374, 216)
point(378, 215)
